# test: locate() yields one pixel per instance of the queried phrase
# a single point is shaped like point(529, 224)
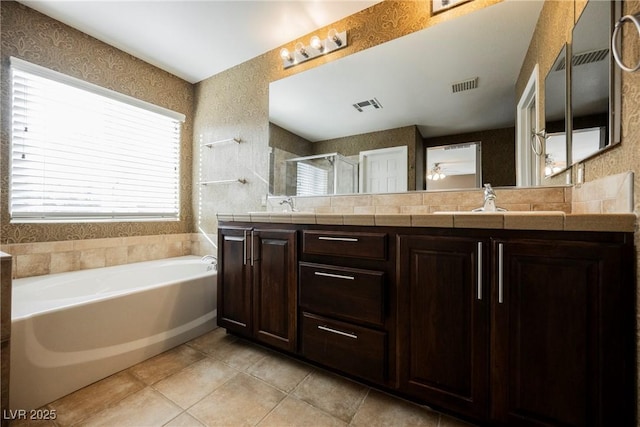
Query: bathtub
point(72, 329)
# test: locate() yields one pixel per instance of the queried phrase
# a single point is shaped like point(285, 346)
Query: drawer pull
point(338, 239)
point(480, 271)
point(500, 273)
point(335, 276)
point(335, 331)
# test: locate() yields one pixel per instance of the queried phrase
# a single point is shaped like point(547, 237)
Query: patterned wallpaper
point(34, 37)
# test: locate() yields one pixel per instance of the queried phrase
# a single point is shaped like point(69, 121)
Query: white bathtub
point(72, 329)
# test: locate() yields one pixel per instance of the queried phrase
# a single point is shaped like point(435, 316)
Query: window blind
point(311, 180)
point(82, 152)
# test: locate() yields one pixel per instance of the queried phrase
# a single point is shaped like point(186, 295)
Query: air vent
point(465, 85)
point(585, 58)
point(370, 104)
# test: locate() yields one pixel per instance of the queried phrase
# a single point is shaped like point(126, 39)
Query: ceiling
point(195, 39)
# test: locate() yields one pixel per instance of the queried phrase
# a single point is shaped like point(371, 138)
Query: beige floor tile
point(211, 341)
point(280, 371)
point(94, 398)
point(144, 408)
point(161, 366)
point(382, 410)
point(243, 400)
point(195, 381)
point(296, 413)
point(331, 393)
point(239, 354)
point(184, 420)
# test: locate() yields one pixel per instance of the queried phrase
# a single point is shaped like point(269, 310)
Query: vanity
point(516, 318)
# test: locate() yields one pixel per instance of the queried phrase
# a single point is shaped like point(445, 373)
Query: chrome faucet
point(489, 199)
point(289, 201)
point(211, 260)
point(489, 204)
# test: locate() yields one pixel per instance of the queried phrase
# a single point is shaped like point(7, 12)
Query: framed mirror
point(595, 82)
point(555, 139)
point(450, 83)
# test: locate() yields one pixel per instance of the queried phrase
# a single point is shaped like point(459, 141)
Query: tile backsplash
point(611, 194)
point(513, 199)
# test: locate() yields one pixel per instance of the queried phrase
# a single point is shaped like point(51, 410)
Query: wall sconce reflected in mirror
point(317, 47)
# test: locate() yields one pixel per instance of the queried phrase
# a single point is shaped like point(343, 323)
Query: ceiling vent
point(370, 104)
point(465, 85)
point(585, 58)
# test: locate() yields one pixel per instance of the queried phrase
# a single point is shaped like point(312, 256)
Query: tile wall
point(35, 259)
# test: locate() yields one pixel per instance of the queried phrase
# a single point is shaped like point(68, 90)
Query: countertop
point(511, 220)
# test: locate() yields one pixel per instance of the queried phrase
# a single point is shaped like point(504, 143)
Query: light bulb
point(333, 36)
point(284, 53)
point(301, 50)
point(316, 43)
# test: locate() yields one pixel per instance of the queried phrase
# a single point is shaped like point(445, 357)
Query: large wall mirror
point(451, 83)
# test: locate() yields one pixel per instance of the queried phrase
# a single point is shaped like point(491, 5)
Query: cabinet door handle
point(244, 248)
point(335, 331)
point(480, 271)
point(335, 276)
point(500, 273)
point(338, 239)
point(252, 248)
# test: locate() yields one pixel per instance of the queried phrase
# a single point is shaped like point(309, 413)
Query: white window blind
point(311, 180)
point(82, 152)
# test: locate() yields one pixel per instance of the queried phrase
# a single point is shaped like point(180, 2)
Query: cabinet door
point(444, 323)
point(559, 334)
point(234, 281)
point(275, 287)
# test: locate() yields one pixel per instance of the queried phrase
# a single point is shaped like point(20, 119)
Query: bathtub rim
point(115, 294)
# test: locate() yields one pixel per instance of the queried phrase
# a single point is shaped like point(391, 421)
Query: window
point(80, 152)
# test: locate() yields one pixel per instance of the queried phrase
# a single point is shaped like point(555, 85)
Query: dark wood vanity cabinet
point(344, 300)
point(562, 333)
point(234, 280)
point(257, 284)
point(503, 327)
point(518, 331)
point(444, 321)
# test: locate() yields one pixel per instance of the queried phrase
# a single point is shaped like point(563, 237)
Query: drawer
point(347, 293)
point(345, 244)
point(352, 349)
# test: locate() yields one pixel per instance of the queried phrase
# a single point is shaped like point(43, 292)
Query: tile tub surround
point(38, 258)
point(220, 380)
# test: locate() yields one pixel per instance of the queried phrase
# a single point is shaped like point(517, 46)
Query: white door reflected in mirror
point(384, 170)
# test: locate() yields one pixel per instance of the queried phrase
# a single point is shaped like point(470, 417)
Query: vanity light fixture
point(317, 47)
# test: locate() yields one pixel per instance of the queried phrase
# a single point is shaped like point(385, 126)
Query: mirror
point(450, 83)
point(595, 82)
point(555, 113)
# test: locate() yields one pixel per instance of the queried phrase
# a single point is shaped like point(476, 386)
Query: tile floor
point(220, 380)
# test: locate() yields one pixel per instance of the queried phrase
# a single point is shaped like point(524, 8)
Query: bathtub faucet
point(212, 261)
